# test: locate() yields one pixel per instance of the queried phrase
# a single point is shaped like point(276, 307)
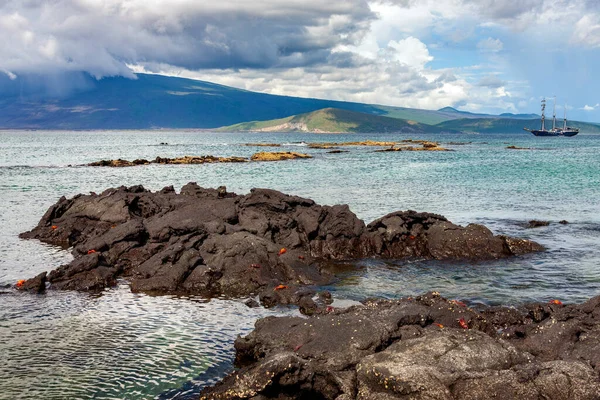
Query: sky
point(488, 56)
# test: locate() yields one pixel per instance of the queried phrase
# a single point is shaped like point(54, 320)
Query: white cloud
point(589, 108)
point(490, 45)
point(410, 51)
point(587, 31)
point(9, 74)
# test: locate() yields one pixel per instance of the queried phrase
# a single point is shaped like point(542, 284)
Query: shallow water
point(124, 345)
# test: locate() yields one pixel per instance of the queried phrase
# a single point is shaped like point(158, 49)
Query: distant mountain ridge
point(466, 114)
point(508, 125)
point(156, 101)
point(334, 120)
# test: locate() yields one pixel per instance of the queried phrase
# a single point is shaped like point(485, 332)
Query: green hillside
point(508, 125)
point(333, 120)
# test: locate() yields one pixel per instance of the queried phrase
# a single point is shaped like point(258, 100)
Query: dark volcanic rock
point(37, 284)
point(423, 348)
point(211, 242)
point(536, 224)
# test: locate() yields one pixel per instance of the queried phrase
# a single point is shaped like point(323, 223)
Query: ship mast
point(543, 115)
point(565, 119)
point(554, 115)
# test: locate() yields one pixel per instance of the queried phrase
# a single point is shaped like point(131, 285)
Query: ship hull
point(538, 132)
point(545, 133)
point(570, 133)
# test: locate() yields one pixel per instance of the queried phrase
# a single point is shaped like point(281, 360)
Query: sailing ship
point(555, 131)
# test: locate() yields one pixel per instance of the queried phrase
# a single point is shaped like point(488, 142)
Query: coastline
point(394, 181)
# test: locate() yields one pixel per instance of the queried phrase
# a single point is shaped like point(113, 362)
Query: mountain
point(508, 125)
point(451, 113)
point(79, 101)
point(156, 101)
point(333, 120)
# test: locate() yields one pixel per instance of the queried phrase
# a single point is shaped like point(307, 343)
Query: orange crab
point(556, 302)
point(282, 251)
point(280, 287)
point(54, 227)
point(91, 251)
point(458, 303)
point(20, 283)
point(463, 324)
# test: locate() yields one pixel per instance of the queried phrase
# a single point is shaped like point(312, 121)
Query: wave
point(299, 144)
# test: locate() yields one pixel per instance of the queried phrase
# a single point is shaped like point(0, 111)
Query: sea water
point(122, 345)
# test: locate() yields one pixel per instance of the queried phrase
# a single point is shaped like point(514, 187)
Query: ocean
point(117, 344)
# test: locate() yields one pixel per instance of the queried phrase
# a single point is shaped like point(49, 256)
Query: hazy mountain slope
point(151, 101)
point(78, 101)
point(508, 125)
point(332, 120)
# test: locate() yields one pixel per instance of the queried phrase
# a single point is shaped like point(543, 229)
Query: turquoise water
point(124, 345)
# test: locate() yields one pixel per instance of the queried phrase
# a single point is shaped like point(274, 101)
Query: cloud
point(103, 37)
point(490, 45)
point(399, 52)
point(491, 81)
point(505, 10)
point(587, 31)
point(410, 51)
point(589, 108)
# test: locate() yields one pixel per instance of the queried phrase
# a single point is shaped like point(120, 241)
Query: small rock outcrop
point(422, 348)
point(165, 160)
point(118, 163)
point(534, 223)
point(211, 242)
point(278, 156)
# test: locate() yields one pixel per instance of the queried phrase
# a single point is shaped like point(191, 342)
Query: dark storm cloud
point(102, 37)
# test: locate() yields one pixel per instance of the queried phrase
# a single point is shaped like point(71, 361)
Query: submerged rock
point(198, 160)
point(425, 146)
point(534, 223)
point(332, 145)
point(118, 163)
point(213, 242)
point(337, 151)
point(278, 156)
point(422, 348)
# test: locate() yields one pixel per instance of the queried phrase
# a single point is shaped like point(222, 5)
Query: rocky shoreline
point(421, 348)
point(403, 145)
point(214, 243)
point(276, 248)
point(191, 160)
